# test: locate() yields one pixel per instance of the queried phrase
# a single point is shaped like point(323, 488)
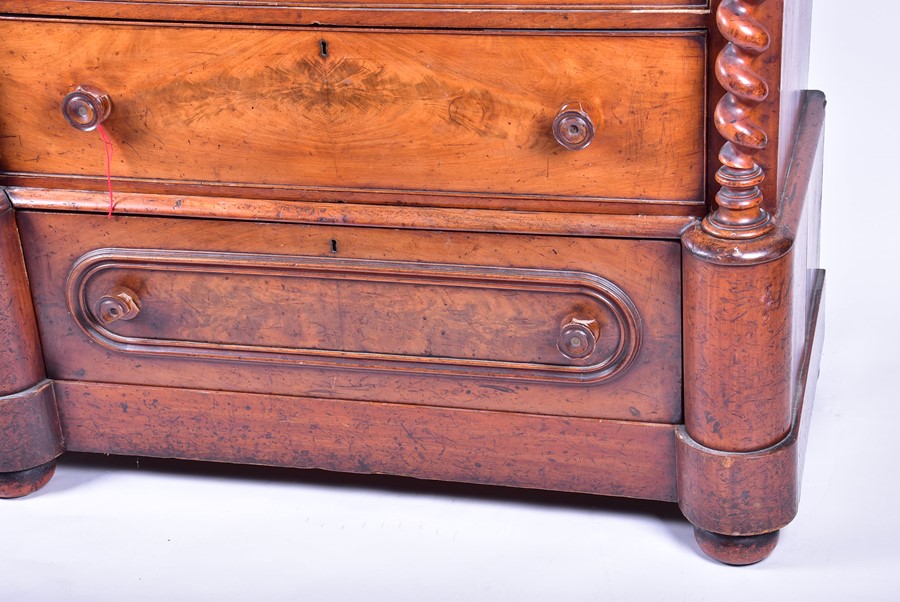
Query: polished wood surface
point(29, 430)
point(572, 218)
point(501, 448)
point(407, 218)
point(362, 313)
point(794, 42)
point(742, 312)
point(562, 246)
point(740, 214)
point(689, 14)
point(29, 426)
point(754, 492)
point(20, 347)
point(345, 110)
point(739, 501)
point(783, 68)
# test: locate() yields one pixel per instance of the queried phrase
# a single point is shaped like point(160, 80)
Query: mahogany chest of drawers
point(561, 246)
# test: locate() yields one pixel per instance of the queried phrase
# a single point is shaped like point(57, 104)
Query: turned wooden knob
point(572, 127)
point(119, 305)
point(578, 337)
point(86, 107)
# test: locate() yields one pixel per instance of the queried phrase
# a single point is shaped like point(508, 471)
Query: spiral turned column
point(740, 213)
point(737, 298)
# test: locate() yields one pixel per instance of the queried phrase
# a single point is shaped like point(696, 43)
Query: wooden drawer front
point(540, 324)
point(505, 322)
point(435, 115)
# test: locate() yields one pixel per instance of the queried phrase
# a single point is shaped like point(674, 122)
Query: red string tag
point(107, 143)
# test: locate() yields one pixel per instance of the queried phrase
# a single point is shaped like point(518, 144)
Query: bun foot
point(736, 550)
point(23, 482)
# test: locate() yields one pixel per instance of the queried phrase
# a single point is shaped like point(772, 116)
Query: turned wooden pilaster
point(740, 213)
point(738, 313)
point(737, 349)
point(30, 434)
point(738, 270)
point(21, 362)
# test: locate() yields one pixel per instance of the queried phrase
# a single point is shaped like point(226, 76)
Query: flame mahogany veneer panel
point(417, 112)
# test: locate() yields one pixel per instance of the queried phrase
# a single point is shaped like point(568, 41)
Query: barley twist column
point(740, 213)
point(737, 300)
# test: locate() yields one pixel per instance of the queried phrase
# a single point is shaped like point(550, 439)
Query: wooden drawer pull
point(573, 128)
point(578, 337)
point(122, 304)
point(86, 107)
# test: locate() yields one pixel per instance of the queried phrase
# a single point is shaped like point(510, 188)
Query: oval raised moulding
point(425, 318)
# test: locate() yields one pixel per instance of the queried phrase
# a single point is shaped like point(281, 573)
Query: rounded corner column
point(734, 463)
point(737, 304)
point(30, 434)
point(736, 453)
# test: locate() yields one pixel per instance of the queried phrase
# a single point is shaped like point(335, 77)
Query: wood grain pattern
point(404, 111)
point(739, 497)
point(20, 347)
point(526, 15)
point(786, 61)
point(754, 492)
point(397, 265)
point(622, 211)
point(30, 437)
point(383, 315)
point(408, 218)
point(740, 214)
point(753, 294)
point(30, 433)
point(501, 448)
point(647, 271)
point(737, 389)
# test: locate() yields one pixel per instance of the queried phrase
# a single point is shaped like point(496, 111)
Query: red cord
point(107, 143)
